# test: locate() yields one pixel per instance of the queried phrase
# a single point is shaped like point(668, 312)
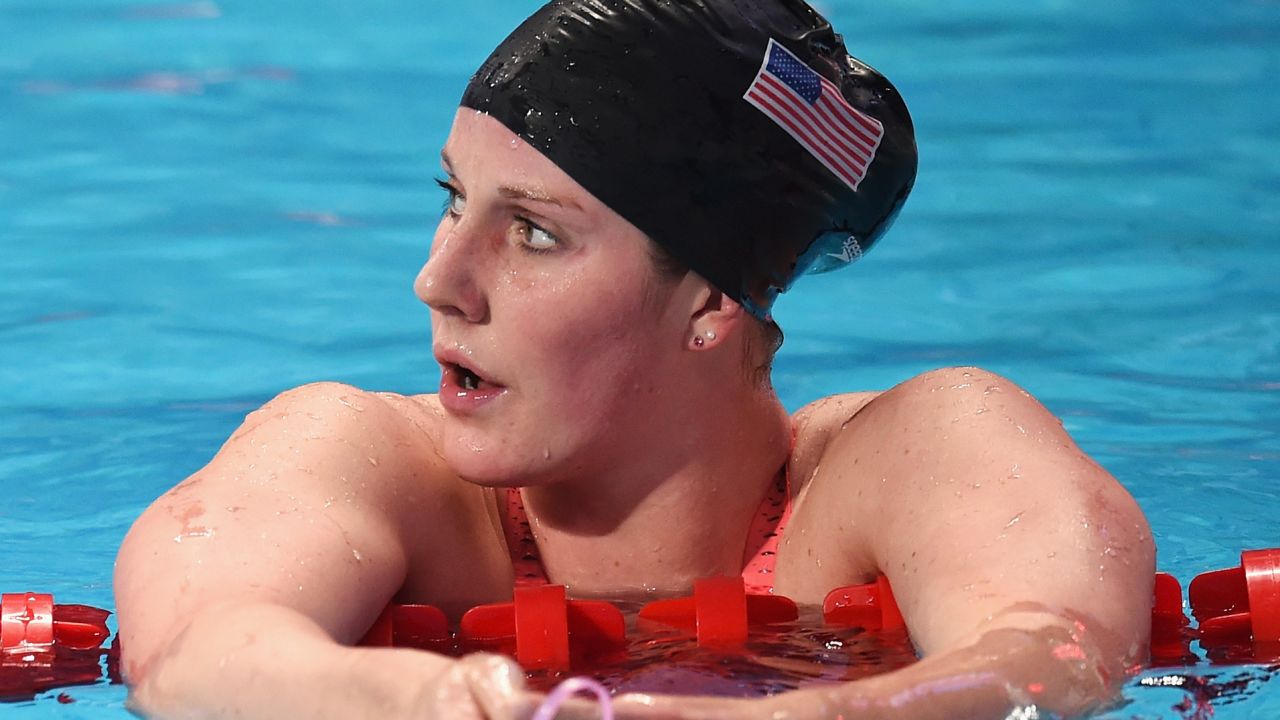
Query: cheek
point(607, 376)
point(535, 288)
point(591, 348)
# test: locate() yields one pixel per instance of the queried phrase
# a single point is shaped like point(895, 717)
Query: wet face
point(552, 361)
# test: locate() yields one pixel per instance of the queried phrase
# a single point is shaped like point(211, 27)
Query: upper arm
point(984, 513)
point(302, 507)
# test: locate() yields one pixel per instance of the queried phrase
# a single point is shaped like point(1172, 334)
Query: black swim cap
point(738, 134)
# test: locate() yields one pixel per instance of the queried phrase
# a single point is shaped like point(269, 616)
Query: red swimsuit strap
point(525, 562)
point(758, 559)
point(761, 554)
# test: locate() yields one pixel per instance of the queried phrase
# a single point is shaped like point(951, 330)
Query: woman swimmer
point(630, 184)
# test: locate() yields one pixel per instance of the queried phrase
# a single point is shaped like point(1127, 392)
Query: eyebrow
point(515, 192)
point(521, 193)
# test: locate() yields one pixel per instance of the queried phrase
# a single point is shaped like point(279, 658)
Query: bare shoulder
point(338, 404)
point(957, 483)
point(956, 421)
point(317, 502)
point(813, 426)
point(331, 435)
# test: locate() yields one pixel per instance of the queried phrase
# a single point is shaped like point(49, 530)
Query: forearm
point(265, 661)
point(1004, 670)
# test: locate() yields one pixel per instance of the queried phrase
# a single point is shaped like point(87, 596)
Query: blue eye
point(456, 202)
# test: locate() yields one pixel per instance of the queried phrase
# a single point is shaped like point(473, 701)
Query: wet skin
point(1023, 569)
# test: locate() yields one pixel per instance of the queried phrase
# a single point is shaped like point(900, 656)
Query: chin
point(479, 467)
point(494, 464)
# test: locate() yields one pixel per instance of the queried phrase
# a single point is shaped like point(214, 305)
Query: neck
point(674, 508)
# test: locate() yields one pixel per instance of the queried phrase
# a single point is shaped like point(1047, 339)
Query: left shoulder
point(813, 426)
point(958, 421)
point(960, 485)
point(969, 398)
point(962, 440)
point(964, 431)
point(938, 410)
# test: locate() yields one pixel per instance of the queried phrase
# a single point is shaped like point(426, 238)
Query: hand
point(816, 703)
point(480, 686)
point(645, 706)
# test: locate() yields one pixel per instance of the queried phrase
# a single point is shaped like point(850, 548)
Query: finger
point(576, 709)
point(449, 696)
point(644, 706)
point(497, 686)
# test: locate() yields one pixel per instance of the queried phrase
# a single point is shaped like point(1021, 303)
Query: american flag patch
point(812, 110)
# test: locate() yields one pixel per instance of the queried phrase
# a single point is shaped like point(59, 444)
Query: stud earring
point(698, 341)
point(711, 335)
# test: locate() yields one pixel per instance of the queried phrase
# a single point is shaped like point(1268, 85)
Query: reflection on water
point(775, 659)
point(1191, 693)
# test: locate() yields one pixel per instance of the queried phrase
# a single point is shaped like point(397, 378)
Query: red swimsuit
point(759, 556)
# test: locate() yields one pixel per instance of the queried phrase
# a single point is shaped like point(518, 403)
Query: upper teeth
point(469, 381)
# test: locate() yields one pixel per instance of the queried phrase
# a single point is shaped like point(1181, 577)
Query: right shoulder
point(317, 502)
point(334, 436)
point(331, 409)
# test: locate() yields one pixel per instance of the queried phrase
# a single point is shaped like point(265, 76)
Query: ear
point(713, 317)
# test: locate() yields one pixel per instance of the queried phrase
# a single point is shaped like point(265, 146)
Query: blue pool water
point(204, 203)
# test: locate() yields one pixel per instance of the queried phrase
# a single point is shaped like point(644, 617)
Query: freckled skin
point(1023, 569)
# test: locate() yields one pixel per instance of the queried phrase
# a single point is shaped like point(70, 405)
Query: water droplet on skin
point(343, 399)
point(356, 554)
point(197, 533)
point(546, 453)
point(373, 461)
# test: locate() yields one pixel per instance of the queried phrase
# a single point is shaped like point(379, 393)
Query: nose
point(447, 283)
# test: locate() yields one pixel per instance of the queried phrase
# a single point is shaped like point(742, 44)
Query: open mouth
point(469, 379)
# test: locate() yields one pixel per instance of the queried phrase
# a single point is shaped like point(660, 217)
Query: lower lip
point(461, 401)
